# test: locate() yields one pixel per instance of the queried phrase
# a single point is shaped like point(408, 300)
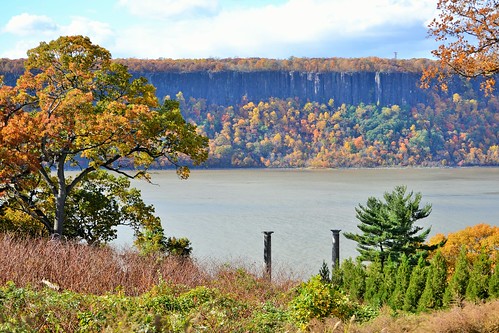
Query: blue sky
point(152, 29)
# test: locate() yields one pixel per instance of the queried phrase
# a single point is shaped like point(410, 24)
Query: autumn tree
point(74, 107)
point(468, 31)
point(474, 239)
point(388, 226)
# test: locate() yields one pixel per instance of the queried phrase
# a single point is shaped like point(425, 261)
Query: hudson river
point(223, 212)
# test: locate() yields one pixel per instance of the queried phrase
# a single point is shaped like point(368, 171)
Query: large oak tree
point(75, 107)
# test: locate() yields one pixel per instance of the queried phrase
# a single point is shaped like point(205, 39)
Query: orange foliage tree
point(74, 107)
point(468, 31)
point(475, 239)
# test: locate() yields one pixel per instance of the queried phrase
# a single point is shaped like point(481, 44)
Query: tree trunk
point(60, 204)
point(59, 213)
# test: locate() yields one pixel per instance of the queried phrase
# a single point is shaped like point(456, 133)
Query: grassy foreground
point(64, 287)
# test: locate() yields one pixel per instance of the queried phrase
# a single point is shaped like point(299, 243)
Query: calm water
point(223, 212)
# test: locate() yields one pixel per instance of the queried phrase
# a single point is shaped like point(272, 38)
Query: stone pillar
point(336, 247)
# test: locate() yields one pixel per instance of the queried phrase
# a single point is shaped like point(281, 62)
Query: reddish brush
point(99, 270)
point(88, 269)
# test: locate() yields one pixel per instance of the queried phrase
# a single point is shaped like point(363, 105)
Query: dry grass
point(471, 318)
point(482, 318)
point(86, 269)
point(249, 282)
point(99, 270)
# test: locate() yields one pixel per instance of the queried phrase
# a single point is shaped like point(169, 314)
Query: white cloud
point(207, 28)
point(34, 29)
point(271, 29)
point(98, 32)
point(167, 8)
point(26, 24)
point(19, 50)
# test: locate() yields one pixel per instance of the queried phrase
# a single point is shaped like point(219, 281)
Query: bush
point(318, 300)
point(179, 247)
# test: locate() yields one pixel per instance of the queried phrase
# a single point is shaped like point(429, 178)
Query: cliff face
point(228, 87)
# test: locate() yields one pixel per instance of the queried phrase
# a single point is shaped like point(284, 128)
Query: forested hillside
point(328, 112)
point(291, 133)
point(370, 64)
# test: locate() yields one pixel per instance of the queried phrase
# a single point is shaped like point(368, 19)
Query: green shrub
point(179, 246)
point(374, 284)
point(268, 319)
point(319, 300)
point(494, 280)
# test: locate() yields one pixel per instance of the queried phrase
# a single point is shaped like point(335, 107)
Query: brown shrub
point(88, 269)
point(472, 318)
point(99, 270)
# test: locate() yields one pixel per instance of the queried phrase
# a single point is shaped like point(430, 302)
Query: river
point(224, 212)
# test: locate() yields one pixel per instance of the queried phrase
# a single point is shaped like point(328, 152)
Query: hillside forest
point(289, 133)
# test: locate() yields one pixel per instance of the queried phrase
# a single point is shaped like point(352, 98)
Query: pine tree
point(401, 283)
point(478, 285)
point(388, 228)
point(325, 273)
point(436, 282)
point(456, 290)
point(416, 286)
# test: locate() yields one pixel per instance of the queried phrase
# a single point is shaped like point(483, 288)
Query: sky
point(196, 29)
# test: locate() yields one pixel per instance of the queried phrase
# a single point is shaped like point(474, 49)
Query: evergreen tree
point(478, 285)
point(436, 281)
point(401, 283)
point(416, 286)
point(388, 228)
point(325, 273)
point(374, 278)
point(494, 280)
point(354, 279)
point(387, 284)
point(456, 290)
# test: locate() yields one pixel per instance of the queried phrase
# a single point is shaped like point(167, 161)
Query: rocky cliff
point(228, 87)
